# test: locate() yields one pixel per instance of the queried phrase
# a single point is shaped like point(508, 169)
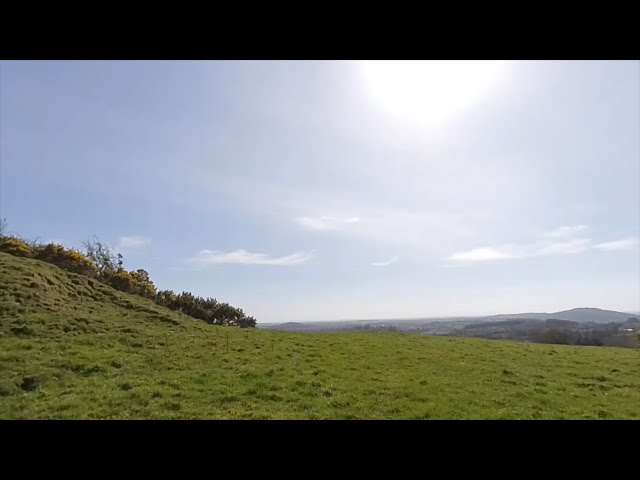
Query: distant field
point(74, 348)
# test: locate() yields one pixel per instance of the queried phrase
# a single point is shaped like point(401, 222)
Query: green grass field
point(73, 348)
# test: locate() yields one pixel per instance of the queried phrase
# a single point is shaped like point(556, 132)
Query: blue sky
point(332, 190)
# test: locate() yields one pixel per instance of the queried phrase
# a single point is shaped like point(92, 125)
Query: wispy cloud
point(566, 231)
point(510, 252)
point(131, 243)
point(561, 241)
point(325, 222)
point(569, 247)
point(482, 254)
point(618, 245)
point(208, 257)
point(393, 259)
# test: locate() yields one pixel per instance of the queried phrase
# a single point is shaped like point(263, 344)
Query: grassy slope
point(74, 348)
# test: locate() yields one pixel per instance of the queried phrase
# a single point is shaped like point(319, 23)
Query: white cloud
point(208, 257)
point(566, 231)
point(325, 222)
point(482, 254)
point(617, 245)
point(132, 242)
point(559, 242)
point(393, 259)
point(576, 245)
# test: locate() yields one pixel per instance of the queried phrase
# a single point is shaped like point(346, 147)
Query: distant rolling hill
point(581, 315)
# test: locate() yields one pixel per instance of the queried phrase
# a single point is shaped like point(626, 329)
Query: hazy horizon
point(427, 317)
point(327, 190)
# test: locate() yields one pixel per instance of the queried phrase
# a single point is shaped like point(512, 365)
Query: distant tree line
point(561, 332)
point(377, 328)
point(100, 262)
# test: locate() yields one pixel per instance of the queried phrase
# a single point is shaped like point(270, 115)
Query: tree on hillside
point(102, 256)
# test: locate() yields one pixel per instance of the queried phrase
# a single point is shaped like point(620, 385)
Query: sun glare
point(429, 91)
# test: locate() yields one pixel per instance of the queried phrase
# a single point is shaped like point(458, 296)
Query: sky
point(326, 190)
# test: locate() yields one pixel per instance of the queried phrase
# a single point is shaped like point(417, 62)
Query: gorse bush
point(123, 281)
point(143, 283)
point(98, 261)
point(67, 259)
point(135, 282)
point(15, 246)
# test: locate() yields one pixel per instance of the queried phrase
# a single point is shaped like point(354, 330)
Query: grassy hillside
point(71, 347)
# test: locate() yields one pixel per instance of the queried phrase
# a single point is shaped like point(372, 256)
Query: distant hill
point(581, 315)
point(595, 315)
point(288, 326)
point(511, 316)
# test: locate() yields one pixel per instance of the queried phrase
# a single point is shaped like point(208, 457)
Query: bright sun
point(429, 91)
